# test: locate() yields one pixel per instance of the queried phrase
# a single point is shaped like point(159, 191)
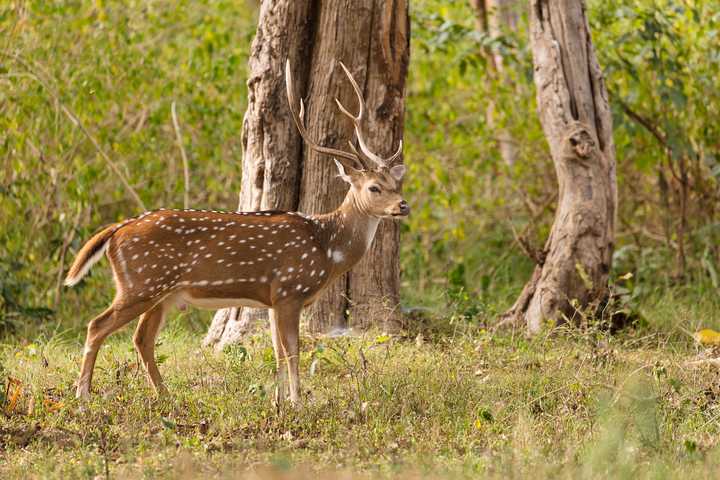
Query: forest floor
point(569, 403)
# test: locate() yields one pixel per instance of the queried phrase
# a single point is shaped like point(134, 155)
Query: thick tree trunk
point(271, 145)
point(371, 38)
point(374, 283)
point(575, 115)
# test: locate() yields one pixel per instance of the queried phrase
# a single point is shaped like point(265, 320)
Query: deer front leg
point(281, 390)
point(145, 335)
point(285, 329)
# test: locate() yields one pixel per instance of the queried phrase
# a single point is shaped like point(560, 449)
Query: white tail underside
point(71, 281)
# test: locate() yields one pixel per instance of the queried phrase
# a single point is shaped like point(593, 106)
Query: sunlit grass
point(568, 403)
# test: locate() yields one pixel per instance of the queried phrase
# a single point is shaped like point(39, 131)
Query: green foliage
point(463, 194)
point(118, 69)
point(661, 64)
point(13, 294)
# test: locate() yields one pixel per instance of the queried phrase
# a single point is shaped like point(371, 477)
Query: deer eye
point(374, 189)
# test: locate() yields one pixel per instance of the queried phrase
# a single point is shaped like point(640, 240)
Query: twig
point(715, 362)
point(63, 250)
point(713, 419)
point(186, 168)
point(113, 166)
point(649, 126)
point(654, 131)
point(103, 450)
point(536, 255)
point(522, 242)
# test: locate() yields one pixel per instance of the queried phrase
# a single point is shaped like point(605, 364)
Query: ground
point(453, 402)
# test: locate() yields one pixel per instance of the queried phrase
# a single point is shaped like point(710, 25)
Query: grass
point(567, 404)
point(457, 401)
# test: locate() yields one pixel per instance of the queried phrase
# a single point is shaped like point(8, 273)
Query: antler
point(381, 162)
point(299, 122)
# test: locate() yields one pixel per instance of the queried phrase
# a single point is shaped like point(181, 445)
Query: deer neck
point(346, 234)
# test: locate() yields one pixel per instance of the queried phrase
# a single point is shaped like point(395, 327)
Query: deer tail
point(89, 254)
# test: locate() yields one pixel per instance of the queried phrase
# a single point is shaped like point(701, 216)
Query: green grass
point(463, 402)
point(570, 403)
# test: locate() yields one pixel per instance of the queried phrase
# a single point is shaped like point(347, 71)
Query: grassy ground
point(458, 403)
point(455, 404)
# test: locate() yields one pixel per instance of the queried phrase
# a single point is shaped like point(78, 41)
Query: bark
point(374, 284)
point(575, 115)
point(371, 38)
point(271, 146)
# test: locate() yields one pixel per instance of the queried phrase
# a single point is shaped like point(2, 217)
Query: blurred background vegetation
point(86, 89)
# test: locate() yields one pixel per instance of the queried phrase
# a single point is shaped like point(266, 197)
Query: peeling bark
point(575, 115)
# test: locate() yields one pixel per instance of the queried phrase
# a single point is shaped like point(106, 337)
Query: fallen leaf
point(51, 405)
point(707, 336)
point(12, 393)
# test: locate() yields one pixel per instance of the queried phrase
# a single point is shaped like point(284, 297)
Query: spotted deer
point(276, 260)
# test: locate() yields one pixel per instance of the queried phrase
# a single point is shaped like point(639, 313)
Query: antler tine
point(361, 102)
point(299, 123)
point(395, 155)
point(357, 119)
point(352, 147)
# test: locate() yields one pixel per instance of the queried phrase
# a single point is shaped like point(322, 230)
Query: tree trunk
point(371, 38)
point(374, 284)
point(271, 145)
point(575, 115)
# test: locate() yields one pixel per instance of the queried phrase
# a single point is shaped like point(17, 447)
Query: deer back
point(262, 257)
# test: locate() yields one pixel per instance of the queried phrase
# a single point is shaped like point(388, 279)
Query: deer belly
point(216, 303)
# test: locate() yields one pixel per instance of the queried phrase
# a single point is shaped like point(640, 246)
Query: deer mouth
point(398, 215)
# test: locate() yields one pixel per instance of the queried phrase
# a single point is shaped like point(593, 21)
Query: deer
point(276, 260)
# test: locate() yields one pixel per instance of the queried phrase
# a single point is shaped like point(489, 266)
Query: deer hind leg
point(285, 325)
point(145, 335)
point(115, 317)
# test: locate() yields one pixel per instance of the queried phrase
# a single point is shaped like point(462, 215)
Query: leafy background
point(448, 397)
point(118, 66)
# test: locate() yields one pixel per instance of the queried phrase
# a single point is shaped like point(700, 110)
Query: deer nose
point(404, 207)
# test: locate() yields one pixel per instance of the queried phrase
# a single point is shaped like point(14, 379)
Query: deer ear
point(397, 172)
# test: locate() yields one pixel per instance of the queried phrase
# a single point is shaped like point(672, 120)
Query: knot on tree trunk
point(579, 141)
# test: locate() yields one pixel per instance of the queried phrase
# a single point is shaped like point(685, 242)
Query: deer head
point(375, 182)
